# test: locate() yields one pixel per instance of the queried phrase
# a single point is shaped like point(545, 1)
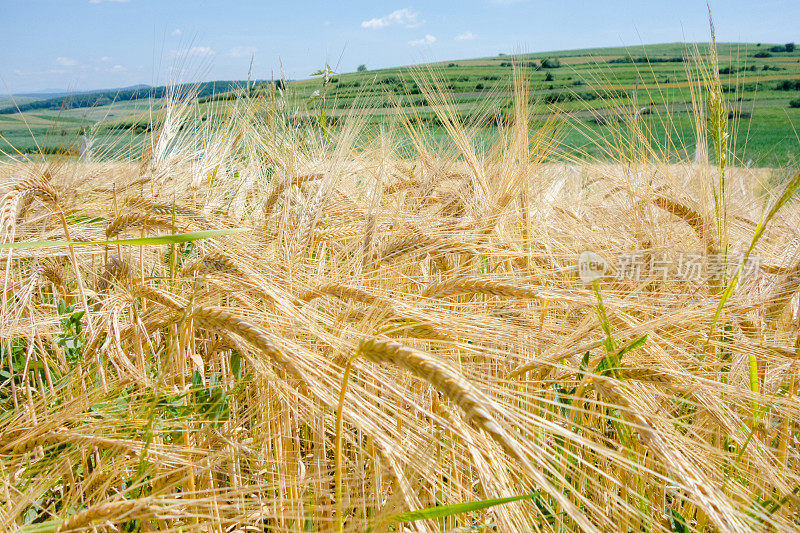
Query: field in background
point(590, 85)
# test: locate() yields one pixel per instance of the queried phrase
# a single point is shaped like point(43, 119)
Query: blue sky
point(86, 44)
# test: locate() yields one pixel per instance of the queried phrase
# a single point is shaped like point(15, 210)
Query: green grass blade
point(49, 526)
point(788, 191)
point(162, 239)
point(442, 511)
point(722, 301)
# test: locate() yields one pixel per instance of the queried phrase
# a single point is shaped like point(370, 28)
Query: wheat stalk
point(405, 244)
point(695, 220)
point(342, 292)
point(165, 210)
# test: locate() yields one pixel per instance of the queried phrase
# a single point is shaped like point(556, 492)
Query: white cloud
point(117, 68)
point(200, 51)
point(18, 72)
point(195, 51)
point(66, 61)
point(105, 58)
point(401, 17)
point(99, 1)
point(428, 39)
point(466, 36)
point(242, 51)
point(176, 32)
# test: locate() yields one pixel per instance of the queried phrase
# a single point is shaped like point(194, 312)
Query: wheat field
point(398, 323)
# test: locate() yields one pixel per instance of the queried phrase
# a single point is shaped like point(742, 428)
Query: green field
point(588, 88)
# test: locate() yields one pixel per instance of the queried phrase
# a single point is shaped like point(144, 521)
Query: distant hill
point(41, 94)
point(124, 94)
point(45, 94)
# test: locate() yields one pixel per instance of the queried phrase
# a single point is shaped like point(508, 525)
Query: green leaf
point(236, 365)
point(632, 346)
point(677, 522)
point(584, 366)
point(442, 511)
point(162, 239)
point(609, 364)
point(197, 381)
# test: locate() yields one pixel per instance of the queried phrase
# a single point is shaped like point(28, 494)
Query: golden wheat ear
point(135, 220)
point(17, 201)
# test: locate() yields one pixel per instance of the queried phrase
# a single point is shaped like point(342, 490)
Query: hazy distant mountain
point(73, 100)
point(58, 93)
